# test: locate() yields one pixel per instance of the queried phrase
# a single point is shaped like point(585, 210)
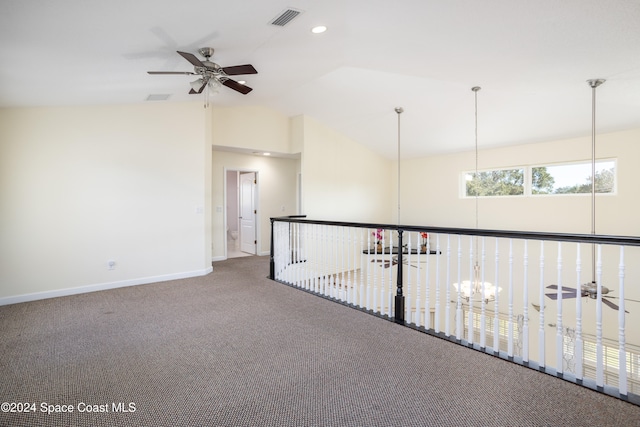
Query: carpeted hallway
point(236, 349)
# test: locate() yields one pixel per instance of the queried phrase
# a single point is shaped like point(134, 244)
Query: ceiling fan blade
point(191, 58)
point(564, 296)
point(239, 69)
point(610, 304)
point(170, 72)
point(564, 288)
point(232, 84)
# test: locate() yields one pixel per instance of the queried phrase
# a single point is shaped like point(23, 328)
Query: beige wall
point(251, 127)
point(342, 180)
point(83, 185)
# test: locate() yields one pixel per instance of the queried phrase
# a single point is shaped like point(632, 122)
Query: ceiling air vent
point(285, 17)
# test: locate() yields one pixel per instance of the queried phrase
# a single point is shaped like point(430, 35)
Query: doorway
point(241, 213)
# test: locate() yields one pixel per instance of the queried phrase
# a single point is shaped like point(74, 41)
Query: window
point(497, 182)
point(554, 179)
point(573, 178)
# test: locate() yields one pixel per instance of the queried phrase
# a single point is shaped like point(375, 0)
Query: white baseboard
point(102, 286)
point(218, 258)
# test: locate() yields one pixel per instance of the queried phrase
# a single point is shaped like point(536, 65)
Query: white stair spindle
point(525, 305)
point(510, 296)
point(447, 307)
point(436, 326)
point(459, 330)
point(350, 286)
point(483, 303)
point(418, 319)
point(541, 338)
point(341, 255)
point(370, 273)
point(599, 346)
point(579, 347)
point(559, 331)
point(427, 289)
point(496, 318)
point(392, 288)
point(407, 290)
point(377, 270)
point(622, 353)
point(470, 325)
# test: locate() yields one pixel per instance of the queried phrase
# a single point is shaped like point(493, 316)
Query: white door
point(248, 212)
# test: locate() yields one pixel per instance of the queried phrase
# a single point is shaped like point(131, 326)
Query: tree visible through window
point(501, 182)
point(573, 178)
point(568, 178)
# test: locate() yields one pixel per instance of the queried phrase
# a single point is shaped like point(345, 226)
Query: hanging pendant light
point(475, 289)
point(593, 83)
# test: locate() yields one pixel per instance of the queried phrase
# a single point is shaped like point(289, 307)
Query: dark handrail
point(532, 235)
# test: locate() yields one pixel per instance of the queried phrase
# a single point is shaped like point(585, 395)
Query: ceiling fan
point(586, 290)
point(211, 73)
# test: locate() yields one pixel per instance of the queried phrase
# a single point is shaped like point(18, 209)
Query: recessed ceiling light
point(242, 82)
point(319, 29)
point(266, 154)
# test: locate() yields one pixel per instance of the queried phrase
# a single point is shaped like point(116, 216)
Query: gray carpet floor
point(236, 349)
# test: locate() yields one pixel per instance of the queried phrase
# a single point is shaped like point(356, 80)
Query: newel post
point(399, 311)
point(272, 268)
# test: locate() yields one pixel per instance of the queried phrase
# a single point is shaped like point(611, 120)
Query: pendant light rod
point(475, 90)
point(593, 83)
point(399, 110)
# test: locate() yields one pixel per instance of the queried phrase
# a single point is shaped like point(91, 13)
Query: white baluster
point(407, 291)
point(541, 346)
point(316, 255)
point(427, 289)
point(525, 302)
point(559, 331)
point(622, 353)
point(371, 271)
point(599, 347)
point(471, 285)
point(305, 261)
point(510, 310)
point(350, 248)
point(296, 266)
point(578, 350)
point(437, 319)
point(483, 303)
point(325, 258)
point(341, 255)
point(392, 287)
point(459, 330)
point(418, 296)
point(496, 319)
point(363, 269)
point(376, 272)
point(447, 282)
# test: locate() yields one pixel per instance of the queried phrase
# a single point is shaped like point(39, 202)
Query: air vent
point(158, 97)
point(285, 17)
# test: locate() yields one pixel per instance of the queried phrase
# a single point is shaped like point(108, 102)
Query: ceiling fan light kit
point(212, 75)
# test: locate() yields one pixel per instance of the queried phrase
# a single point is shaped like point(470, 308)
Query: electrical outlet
point(111, 265)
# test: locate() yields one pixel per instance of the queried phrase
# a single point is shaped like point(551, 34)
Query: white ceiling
point(531, 58)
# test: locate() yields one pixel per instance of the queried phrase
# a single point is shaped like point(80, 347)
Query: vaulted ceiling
point(531, 58)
